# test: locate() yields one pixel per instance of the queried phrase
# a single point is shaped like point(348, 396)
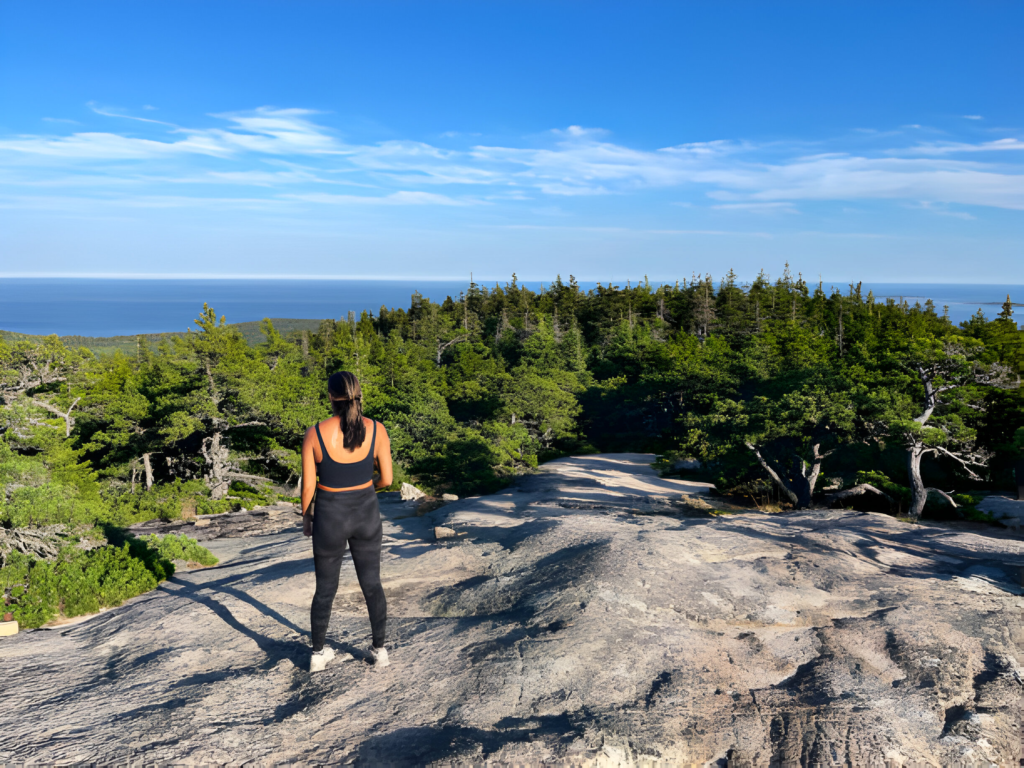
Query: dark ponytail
point(347, 405)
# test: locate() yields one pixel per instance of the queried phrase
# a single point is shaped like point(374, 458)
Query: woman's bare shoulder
point(381, 429)
point(327, 426)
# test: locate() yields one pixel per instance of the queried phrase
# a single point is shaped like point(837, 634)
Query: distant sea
point(114, 307)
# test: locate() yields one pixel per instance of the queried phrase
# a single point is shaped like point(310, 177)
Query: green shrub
point(77, 582)
point(968, 507)
point(30, 589)
point(78, 585)
point(977, 516)
point(119, 575)
point(173, 547)
point(898, 493)
point(165, 501)
point(48, 504)
point(159, 566)
point(250, 496)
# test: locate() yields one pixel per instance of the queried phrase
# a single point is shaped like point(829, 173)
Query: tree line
point(774, 384)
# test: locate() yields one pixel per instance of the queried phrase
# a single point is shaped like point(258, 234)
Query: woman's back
point(339, 466)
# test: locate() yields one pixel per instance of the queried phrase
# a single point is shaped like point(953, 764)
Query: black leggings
point(353, 518)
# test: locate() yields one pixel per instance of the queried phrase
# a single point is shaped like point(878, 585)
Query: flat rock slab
point(1005, 508)
point(273, 518)
point(583, 616)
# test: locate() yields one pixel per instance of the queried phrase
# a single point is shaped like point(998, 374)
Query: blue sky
point(874, 141)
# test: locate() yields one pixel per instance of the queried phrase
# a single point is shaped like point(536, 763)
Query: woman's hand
point(307, 525)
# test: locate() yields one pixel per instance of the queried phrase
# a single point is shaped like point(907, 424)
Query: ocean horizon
point(125, 306)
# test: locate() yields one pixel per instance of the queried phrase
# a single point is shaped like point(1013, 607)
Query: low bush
point(968, 507)
point(30, 589)
point(173, 547)
point(165, 501)
point(78, 582)
point(900, 494)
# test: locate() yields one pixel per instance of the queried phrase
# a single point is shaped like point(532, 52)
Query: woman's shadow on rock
point(276, 649)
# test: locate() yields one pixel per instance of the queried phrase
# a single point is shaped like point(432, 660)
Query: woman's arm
point(383, 458)
point(308, 473)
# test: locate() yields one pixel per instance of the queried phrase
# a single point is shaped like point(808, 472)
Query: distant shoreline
point(480, 280)
point(127, 342)
point(101, 309)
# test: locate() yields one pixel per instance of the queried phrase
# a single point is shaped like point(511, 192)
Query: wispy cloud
point(973, 117)
point(950, 147)
point(108, 112)
point(403, 197)
point(264, 131)
point(757, 207)
point(291, 156)
point(941, 210)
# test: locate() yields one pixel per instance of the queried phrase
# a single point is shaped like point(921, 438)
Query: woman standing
point(338, 460)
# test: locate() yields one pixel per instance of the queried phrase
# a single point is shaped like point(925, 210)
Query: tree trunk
point(799, 486)
point(918, 493)
point(148, 464)
point(801, 483)
point(783, 486)
point(215, 451)
point(69, 422)
point(812, 478)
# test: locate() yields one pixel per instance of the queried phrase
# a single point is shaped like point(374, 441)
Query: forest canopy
point(773, 384)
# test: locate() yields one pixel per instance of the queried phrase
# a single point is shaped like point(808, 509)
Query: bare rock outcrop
point(410, 492)
point(586, 616)
point(258, 521)
point(1009, 511)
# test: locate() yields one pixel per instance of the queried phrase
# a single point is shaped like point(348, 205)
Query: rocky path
point(595, 614)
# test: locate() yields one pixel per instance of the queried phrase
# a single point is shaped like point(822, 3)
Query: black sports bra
point(335, 474)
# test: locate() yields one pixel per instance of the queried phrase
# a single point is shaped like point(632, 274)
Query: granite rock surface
point(594, 614)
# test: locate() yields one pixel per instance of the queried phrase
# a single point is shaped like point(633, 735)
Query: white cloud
point(943, 211)
point(574, 162)
point(108, 112)
point(950, 147)
point(107, 146)
point(265, 131)
point(849, 178)
point(757, 207)
point(403, 197)
point(973, 117)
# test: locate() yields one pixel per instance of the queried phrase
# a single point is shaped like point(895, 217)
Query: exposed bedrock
point(590, 615)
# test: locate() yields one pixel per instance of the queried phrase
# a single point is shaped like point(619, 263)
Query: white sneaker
point(318, 661)
point(380, 657)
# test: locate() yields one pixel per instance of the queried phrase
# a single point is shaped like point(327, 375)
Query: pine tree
point(1007, 313)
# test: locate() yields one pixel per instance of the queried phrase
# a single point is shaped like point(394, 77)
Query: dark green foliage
point(79, 582)
point(100, 578)
point(900, 494)
point(30, 589)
